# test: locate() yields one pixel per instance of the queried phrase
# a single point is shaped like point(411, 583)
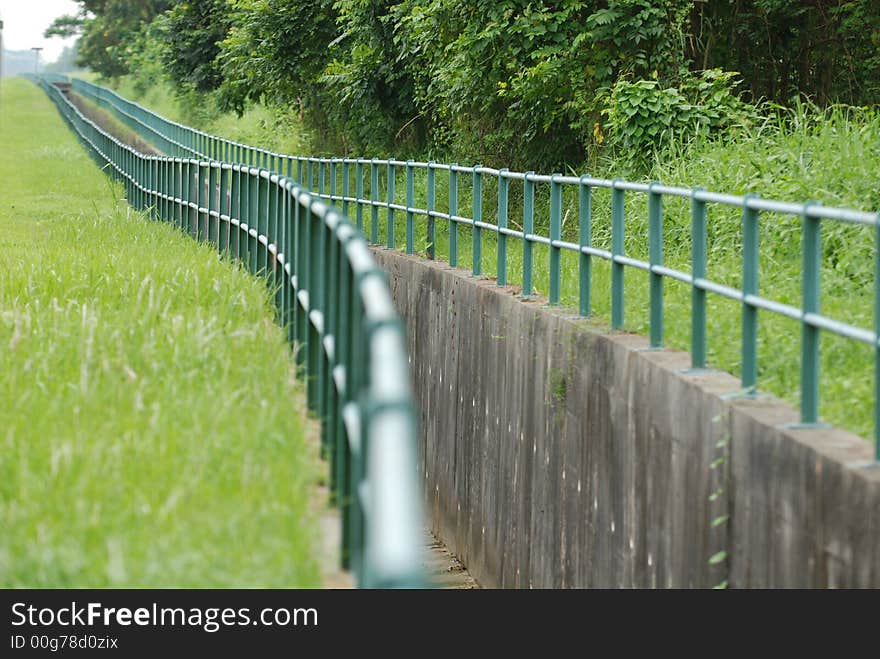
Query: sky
point(24, 22)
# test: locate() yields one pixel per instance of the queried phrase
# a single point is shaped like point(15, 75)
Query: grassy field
point(151, 431)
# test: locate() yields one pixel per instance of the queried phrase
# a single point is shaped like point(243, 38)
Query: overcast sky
point(24, 22)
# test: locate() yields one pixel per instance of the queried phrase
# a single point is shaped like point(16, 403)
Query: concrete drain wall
point(556, 454)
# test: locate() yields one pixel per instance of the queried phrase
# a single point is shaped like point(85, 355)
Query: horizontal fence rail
point(334, 302)
point(345, 180)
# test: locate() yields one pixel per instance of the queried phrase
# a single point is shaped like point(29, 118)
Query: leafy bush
point(645, 116)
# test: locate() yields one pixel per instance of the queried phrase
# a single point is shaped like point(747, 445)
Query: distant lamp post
point(36, 50)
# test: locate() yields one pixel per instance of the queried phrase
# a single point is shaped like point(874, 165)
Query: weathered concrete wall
point(558, 454)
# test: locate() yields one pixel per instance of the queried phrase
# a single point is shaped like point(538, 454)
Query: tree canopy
point(529, 82)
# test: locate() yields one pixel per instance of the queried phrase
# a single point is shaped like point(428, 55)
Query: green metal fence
point(350, 177)
point(335, 303)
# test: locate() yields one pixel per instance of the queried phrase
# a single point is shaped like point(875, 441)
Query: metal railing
point(314, 172)
point(334, 302)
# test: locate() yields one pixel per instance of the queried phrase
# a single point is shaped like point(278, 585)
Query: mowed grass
point(150, 426)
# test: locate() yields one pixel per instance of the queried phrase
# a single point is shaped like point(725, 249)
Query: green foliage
point(517, 81)
point(829, 51)
point(144, 57)
point(191, 34)
point(108, 28)
point(645, 116)
point(368, 83)
point(529, 84)
point(65, 26)
point(275, 49)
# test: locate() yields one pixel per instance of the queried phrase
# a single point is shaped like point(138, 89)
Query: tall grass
point(151, 429)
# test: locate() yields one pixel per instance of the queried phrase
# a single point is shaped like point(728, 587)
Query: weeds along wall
point(335, 304)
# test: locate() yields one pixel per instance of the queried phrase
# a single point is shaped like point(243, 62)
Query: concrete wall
point(557, 454)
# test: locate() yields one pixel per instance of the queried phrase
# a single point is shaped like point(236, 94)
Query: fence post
point(812, 256)
point(389, 231)
point(877, 339)
point(345, 186)
point(374, 197)
point(655, 248)
point(213, 205)
point(359, 194)
point(555, 235)
point(528, 230)
point(503, 194)
point(410, 200)
point(585, 239)
point(253, 218)
point(430, 207)
point(698, 272)
point(750, 287)
point(477, 216)
point(617, 246)
point(223, 226)
point(453, 211)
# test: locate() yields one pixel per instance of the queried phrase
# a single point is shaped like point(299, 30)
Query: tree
point(107, 27)
point(275, 49)
point(192, 32)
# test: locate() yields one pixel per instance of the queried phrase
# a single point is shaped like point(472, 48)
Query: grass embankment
point(150, 431)
point(797, 155)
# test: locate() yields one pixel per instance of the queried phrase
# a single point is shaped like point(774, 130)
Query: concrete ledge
point(557, 454)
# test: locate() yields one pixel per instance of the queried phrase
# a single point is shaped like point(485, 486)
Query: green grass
point(151, 429)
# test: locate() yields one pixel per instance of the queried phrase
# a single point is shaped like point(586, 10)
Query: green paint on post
point(750, 231)
point(234, 211)
point(617, 235)
point(345, 188)
point(655, 258)
point(374, 197)
point(528, 230)
point(389, 229)
point(223, 209)
point(877, 341)
point(410, 197)
point(453, 210)
point(555, 235)
point(333, 182)
point(213, 206)
point(359, 194)
point(476, 233)
point(698, 271)
point(812, 255)
point(503, 194)
point(430, 204)
point(585, 239)
point(251, 219)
